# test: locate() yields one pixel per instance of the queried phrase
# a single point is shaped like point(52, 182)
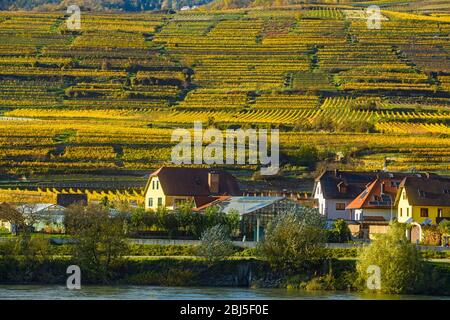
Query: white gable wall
point(327, 207)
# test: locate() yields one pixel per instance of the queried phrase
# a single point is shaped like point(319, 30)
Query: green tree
point(233, 222)
point(184, 216)
point(399, 261)
point(137, 219)
point(216, 244)
point(100, 239)
point(294, 240)
point(340, 232)
point(444, 228)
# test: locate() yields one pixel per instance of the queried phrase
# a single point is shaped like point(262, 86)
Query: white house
point(334, 190)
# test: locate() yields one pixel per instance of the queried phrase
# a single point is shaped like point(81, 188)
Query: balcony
point(439, 219)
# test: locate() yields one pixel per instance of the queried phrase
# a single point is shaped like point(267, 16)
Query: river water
point(36, 292)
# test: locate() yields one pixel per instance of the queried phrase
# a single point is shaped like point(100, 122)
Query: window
point(150, 202)
point(424, 212)
point(440, 212)
point(157, 184)
point(340, 206)
point(401, 212)
point(178, 202)
point(159, 202)
point(407, 212)
point(395, 184)
point(404, 195)
point(153, 185)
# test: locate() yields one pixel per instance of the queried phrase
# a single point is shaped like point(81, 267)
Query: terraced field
point(105, 99)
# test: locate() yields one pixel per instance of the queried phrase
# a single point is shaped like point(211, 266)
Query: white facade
point(385, 213)
point(332, 209)
point(155, 196)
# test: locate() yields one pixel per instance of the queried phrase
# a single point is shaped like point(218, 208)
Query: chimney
point(213, 182)
point(382, 188)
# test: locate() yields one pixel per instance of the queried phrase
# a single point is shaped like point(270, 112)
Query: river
point(46, 292)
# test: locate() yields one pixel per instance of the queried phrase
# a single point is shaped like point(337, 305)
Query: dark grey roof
point(354, 182)
point(427, 191)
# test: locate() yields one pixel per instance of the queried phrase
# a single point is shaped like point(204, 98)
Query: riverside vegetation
point(292, 255)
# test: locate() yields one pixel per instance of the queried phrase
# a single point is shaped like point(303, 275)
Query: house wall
point(158, 192)
point(374, 230)
point(171, 201)
point(154, 194)
point(414, 211)
point(403, 207)
point(327, 207)
point(385, 213)
point(432, 213)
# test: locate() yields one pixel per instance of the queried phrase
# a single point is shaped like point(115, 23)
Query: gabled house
point(423, 199)
point(377, 201)
point(171, 186)
point(334, 190)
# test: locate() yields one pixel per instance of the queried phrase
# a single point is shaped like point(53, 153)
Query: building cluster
point(367, 201)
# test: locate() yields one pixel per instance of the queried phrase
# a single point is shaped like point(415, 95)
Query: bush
point(342, 253)
point(249, 252)
point(321, 283)
point(294, 240)
point(399, 261)
point(161, 250)
point(431, 236)
point(340, 232)
point(216, 244)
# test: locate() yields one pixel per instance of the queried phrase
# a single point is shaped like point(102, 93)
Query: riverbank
point(334, 275)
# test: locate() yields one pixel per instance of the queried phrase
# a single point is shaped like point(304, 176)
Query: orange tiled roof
point(381, 186)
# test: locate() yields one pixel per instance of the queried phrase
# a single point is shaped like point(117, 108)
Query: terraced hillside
point(105, 99)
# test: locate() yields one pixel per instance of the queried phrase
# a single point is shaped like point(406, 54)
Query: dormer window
point(422, 193)
point(446, 191)
point(395, 184)
point(342, 187)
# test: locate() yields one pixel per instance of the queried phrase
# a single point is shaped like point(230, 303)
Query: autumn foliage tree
point(100, 238)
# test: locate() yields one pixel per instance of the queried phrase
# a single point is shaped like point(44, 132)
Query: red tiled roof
point(378, 188)
point(178, 181)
